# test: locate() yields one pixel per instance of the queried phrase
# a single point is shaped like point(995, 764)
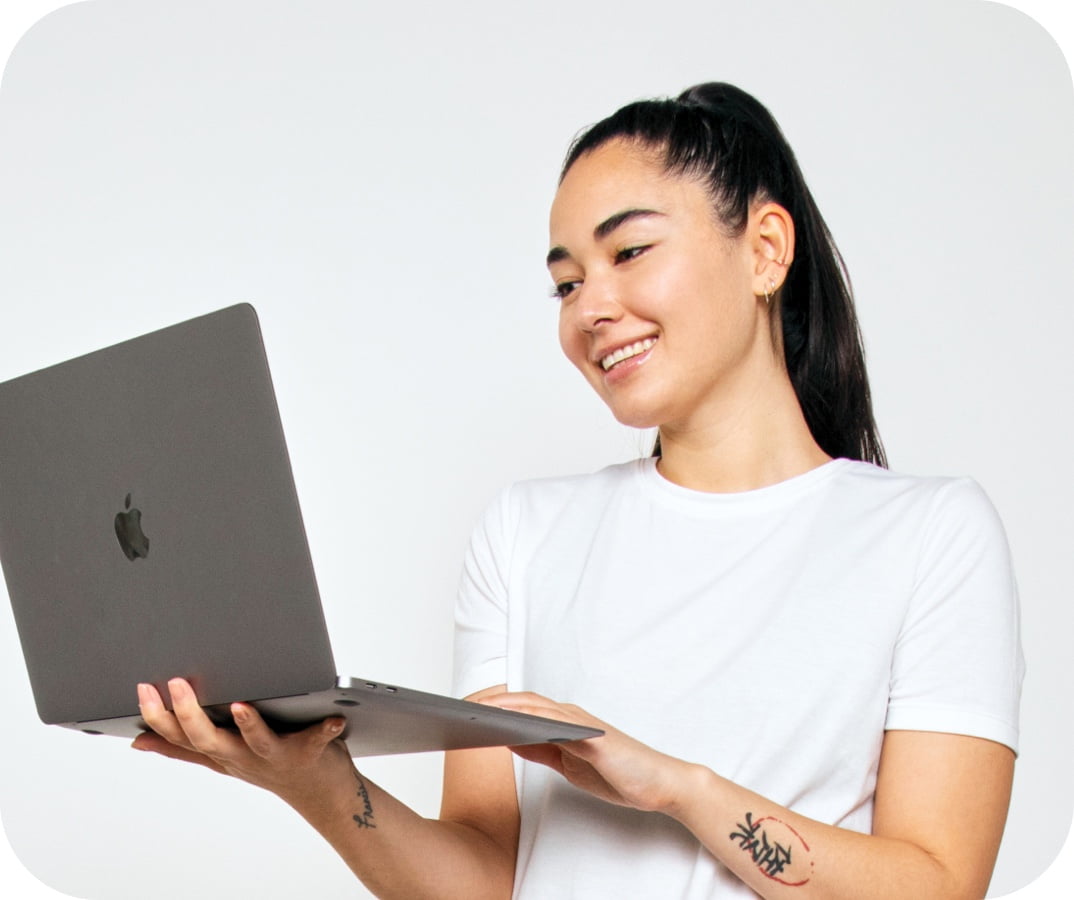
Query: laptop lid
point(149, 525)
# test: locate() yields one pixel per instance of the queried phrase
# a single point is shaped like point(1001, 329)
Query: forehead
point(615, 176)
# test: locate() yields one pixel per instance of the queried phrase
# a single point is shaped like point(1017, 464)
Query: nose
point(596, 306)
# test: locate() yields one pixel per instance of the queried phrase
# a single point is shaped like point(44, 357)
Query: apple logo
point(129, 531)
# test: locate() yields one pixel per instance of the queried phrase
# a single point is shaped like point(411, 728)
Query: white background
point(376, 183)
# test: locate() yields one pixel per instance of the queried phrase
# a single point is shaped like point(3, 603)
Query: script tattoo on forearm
point(784, 857)
point(365, 819)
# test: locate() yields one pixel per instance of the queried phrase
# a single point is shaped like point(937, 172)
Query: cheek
point(571, 341)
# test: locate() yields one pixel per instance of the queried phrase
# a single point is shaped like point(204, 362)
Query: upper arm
point(479, 790)
point(479, 784)
point(947, 794)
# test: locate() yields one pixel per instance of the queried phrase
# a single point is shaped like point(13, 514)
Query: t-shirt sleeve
point(958, 662)
point(481, 604)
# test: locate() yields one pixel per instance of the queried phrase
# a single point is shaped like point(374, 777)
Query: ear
point(772, 240)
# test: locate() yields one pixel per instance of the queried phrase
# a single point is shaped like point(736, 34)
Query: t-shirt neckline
point(773, 495)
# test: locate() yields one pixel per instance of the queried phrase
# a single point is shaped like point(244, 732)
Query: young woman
point(807, 666)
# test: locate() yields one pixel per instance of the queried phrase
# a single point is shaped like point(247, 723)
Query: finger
point(202, 735)
point(154, 743)
point(516, 698)
point(526, 702)
point(158, 718)
point(311, 742)
point(544, 754)
point(265, 742)
point(261, 739)
point(536, 705)
point(322, 734)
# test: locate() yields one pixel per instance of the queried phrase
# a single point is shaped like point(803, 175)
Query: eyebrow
point(558, 253)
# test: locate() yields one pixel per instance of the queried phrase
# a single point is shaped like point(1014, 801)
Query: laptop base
point(384, 719)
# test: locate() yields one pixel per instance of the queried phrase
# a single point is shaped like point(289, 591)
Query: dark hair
point(722, 135)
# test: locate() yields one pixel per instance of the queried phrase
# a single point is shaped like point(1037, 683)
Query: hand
point(298, 767)
point(614, 767)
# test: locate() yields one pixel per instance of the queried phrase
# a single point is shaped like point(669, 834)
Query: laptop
point(150, 528)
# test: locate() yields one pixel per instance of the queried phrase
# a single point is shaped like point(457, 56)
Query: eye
point(629, 253)
point(564, 289)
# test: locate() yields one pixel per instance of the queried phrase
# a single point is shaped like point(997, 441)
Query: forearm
point(393, 850)
point(781, 854)
point(938, 812)
point(399, 854)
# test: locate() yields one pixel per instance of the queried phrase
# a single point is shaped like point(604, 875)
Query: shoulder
point(526, 511)
point(867, 477)
point(913, 521)
point(548, 496)
point(931, 496)
point(945, 530)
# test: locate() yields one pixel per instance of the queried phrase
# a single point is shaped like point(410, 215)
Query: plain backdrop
point(376, 182)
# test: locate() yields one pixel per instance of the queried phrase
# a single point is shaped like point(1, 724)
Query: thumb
point(545, 754)
point(327, 731)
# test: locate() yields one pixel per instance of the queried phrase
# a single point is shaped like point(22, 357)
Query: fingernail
point(335, 726)
point(147, 696)
point(178, 688)
point(240, 713)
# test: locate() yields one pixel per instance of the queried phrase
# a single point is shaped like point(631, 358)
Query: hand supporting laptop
point(392, 849)
point(287, 765)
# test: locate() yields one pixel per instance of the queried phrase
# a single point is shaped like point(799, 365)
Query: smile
point(627, 352)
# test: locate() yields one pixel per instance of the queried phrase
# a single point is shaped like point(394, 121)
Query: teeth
point(626, 352)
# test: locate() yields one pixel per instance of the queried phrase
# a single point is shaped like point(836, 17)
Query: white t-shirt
point(771, 635)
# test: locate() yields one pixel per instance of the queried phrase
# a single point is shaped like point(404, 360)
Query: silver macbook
point(149, 527)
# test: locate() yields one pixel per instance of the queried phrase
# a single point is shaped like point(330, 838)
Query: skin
point(715, 385)
point(397, 853)
point(715, 382)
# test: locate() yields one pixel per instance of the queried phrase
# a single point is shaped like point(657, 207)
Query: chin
point(634, 417)
point(635, 409)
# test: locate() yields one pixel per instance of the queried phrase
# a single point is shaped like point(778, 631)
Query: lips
point(627, 351)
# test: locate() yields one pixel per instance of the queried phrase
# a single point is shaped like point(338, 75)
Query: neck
point(757, 441)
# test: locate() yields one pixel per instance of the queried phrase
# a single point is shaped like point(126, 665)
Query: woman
point(814, 662)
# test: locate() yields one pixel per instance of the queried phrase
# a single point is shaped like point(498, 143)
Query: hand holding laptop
point(303, 768)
